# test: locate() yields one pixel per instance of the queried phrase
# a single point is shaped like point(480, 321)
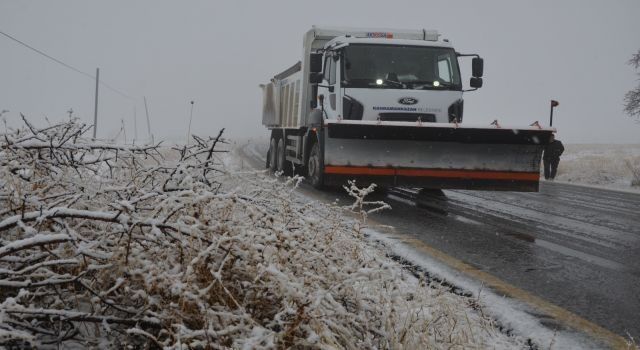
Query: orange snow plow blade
point(439, 156)
point(460, 174)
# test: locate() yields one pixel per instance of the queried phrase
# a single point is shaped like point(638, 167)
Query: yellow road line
point(556, 312)
point(564, 316)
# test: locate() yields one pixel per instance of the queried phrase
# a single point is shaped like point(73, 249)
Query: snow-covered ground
point(609, 166)
point(114, 246)
point(412, 312)
point(516, 317)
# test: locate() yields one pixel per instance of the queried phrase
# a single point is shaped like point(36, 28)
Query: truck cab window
point(444, 68)
point(400, 67)
point(332, 72)
point(328, 62)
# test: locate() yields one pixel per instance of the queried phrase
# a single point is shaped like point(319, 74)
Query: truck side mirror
point(315, 63)
point(475, 82)
point(315, 78)
point(477, 67)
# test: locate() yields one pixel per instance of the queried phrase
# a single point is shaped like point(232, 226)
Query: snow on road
point(517, 317)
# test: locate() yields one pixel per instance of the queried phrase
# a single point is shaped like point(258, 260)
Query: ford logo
point(408, 101)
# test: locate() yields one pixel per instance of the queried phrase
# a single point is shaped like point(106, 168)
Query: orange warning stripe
point(453, 174)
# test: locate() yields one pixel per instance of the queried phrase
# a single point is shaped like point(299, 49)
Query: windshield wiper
point(386, 81)
point(430, 84)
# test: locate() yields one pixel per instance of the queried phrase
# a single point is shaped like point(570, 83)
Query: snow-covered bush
point(110, 246)
point(634, 168)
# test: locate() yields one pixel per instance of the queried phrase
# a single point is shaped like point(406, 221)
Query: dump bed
point(281, 105)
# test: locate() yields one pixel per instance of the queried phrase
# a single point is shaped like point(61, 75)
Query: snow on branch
point(361, 206)
point(114, 246)
point(39, 239)
point(81, 224)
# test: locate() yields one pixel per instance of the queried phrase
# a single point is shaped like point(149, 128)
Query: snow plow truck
point(385, 106)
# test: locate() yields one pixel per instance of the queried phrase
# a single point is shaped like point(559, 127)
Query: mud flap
point(434, 156)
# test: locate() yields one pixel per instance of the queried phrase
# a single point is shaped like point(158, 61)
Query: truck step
point(293, 160)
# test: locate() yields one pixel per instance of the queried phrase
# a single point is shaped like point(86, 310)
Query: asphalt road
point(576, 247)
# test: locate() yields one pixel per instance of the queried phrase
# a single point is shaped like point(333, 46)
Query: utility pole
point(146, 109)
point(135, 125)
point(95, 115)
point(190, 118)
point(124, 130)
point(554, 104)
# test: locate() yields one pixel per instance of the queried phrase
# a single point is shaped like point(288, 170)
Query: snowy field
point(608, 166)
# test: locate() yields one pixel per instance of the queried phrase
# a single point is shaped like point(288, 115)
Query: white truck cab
point(385, 106)
point(386, 79)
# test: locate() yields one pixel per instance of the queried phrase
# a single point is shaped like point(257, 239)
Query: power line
point(66, 65)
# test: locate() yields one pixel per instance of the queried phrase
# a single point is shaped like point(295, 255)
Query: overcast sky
point(218, 52)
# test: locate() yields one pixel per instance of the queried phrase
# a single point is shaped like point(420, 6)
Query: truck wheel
point(273, 151)
point(314, 167)
point(281, 161)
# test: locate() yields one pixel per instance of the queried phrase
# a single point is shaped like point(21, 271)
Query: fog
point(217, 53)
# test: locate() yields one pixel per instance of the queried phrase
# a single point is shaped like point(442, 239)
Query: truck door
point(330, 87)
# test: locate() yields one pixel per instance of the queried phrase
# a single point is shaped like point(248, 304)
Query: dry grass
point(615, 166)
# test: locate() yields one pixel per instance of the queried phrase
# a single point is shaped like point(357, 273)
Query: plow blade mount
point(442, 156)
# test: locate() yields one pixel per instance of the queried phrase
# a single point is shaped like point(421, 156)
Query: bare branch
point(37, 240)
point(632, 102)
point(632, 98)
point(65, 315)
point(635, 60)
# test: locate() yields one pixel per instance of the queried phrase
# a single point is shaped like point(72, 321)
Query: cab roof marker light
point(382, 35)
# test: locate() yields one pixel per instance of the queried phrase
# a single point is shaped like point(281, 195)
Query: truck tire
point(281, 162)
point(314, 167)
point(273, 151)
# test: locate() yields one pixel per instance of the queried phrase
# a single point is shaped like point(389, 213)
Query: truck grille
point(407, 117)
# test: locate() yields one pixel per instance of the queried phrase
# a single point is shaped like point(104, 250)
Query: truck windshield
point(400, 67)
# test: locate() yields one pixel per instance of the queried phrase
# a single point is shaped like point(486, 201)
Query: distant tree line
point(632, 98)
